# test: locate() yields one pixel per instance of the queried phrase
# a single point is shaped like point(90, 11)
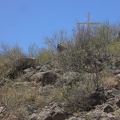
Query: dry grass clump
point(21, 100)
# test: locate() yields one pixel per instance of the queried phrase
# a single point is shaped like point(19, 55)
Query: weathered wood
point(88, 23)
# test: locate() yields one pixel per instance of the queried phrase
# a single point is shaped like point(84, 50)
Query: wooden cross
point(88, 23)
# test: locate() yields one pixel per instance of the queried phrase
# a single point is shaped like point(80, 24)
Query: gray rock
point(118, 103)
point(58, 116)
point(98, 115)
point(33, 117)
point(47, 118)
point(47, 113)
point(45, 78)
point(18, 66)
point(61, 47)
point(108, 109)
point(45, 68)
point(36, 77)
point(117, 72)
point(44, 114)
point(1, 109)
point(28, 70)
point(118, 76)
point(38, 67)
point(27, 76)
point(74, 118)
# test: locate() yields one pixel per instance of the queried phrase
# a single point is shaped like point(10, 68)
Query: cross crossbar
point(88, 23)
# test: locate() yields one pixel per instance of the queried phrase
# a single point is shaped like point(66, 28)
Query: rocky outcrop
point(18, 66)
point(103, 104)
point(45, 78)
point(54, 112)
point(61, 47)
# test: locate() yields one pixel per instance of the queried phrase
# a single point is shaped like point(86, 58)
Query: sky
point(25, 22)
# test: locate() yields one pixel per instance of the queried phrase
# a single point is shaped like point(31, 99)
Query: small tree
point(33, 51)
point(11, 53)
point(57, 37)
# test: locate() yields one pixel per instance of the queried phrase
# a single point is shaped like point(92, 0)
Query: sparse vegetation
point(91, 54)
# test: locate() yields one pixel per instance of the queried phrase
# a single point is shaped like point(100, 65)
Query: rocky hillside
point(75, 78)
point(30, 91)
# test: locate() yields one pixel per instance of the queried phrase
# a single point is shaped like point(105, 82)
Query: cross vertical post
point(88, 23)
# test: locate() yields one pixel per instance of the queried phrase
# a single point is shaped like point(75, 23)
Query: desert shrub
point(82, 95)
point(114, 48)
point(52, 43)
point(73, 97)
point(42, 55)
point(11, 53)
point(72, 59)
point(8, 55)
point(33, 50)
point(99, 42)
point(55, 39)
point(91, 51)
point(3, 67)
point(21, 100)
point(46, 56)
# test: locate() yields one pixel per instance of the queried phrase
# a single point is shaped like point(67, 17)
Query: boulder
point(49, 113)
point(58, 116)
point(98, 97)
point(118, 76)
point(19, 65)
point(27, 76)
point(28, 70)
point(75, 118)
point(45, 68)
point(36, 76)
point(108, 109)
point(117, 114)
point(38, 67)
point(61, 47)
point(47, 118)
point(45, 78)
point(2, 109)
point(98, 115)
point(33, 117)
point(118, 103)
